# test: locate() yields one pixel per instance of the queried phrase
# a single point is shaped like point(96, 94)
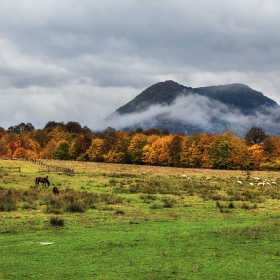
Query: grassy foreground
point(138, 222)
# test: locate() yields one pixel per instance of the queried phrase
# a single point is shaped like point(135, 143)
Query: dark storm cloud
point(107, 52)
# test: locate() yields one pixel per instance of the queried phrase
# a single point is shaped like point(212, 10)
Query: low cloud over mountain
point(209, 109)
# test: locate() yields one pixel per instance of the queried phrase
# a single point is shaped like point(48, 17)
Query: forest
point(70, 141)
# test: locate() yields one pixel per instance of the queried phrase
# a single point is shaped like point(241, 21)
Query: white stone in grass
point(46, 243)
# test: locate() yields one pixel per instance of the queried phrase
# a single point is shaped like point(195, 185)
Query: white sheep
point(257, 178)
point(251, 184)
point(239, 182)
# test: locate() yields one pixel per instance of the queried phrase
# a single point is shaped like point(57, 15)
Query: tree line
point(70, 141)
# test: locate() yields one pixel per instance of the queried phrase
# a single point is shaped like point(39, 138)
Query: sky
point(81, 60)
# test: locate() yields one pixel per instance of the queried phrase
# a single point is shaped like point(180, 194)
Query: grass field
point(138, 222)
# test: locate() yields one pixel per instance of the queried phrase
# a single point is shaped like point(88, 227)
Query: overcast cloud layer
point(81, 60)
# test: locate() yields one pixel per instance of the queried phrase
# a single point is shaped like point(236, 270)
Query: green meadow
point(113, 221)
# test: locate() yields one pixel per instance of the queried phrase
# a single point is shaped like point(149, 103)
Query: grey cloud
point(73, 48)
point(199, 111)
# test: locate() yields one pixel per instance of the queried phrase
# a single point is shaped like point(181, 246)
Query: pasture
point(114, 221)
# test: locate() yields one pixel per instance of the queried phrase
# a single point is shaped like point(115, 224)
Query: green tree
point(175, 149)
point(219, 152)
point(135, 149)
point(61, 150)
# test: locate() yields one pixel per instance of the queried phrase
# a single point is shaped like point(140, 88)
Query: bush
point(27, 206)
point(55, 221)
point(55, 205)
point(231, 205)
point(245, 206)
point(76, 206)
point(156, 206)
point(8, 201)
point(168, 202)
point(8, 205)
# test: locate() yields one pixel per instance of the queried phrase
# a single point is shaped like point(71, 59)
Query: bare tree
point(255, 135)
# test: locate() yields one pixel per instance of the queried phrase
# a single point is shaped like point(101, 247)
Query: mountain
point(214, 109)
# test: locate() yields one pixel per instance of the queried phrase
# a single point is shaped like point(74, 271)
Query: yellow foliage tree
point(158, 153)
point(135, 148)
point(95, 151)
point(255, 156)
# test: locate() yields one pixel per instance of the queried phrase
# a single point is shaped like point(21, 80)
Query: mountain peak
point(164, 93)
point(237, 99)
point(159, 93)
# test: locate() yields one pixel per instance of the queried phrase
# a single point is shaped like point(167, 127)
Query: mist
point(208, 115)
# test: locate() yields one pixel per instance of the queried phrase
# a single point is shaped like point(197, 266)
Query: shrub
point(245, 206)
point(55, 205)
point(55, 221)
point(28, 205)
point(156, 206)
point(8, 205)
point(76, 206)
point(231, 205)
point(168, 202)
point(8, 201)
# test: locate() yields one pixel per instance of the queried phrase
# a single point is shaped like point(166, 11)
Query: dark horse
point(44, 181)
point(55, 191)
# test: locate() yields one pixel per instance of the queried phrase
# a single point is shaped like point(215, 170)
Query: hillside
point(212, 105)
point(237, 95)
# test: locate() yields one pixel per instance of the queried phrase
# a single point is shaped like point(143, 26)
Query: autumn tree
point(20, 153)
point(53, 124)
point(118, 151)
point(135, 148)
point(271, 153)
point(41, 136)
point(47, 151)
point(58, 134)
point(80, 145)
point(3, 147)
point(11, 147)
point(238, 157)
point(73, 127)
point(146, 149)
point(159, 151)
point(229, 152)
point(110, 138)
point(255, 157)
point(188, 156)
point(96, 150)
point(219, 152)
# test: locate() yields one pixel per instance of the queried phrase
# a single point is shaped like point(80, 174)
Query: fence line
point(10, 169)
point(51, 168)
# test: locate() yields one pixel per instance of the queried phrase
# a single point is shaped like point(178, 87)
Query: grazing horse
point(44, 181)
point(55, 191)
